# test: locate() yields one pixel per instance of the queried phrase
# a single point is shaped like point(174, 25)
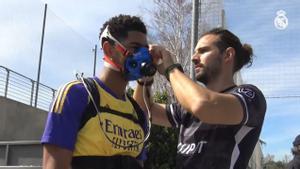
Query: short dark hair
point(120, 25)
point(295, 150)
point(296, 146)
point(296, 142)
point(244, 53)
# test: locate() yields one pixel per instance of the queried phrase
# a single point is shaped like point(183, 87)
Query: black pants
point(103, 162)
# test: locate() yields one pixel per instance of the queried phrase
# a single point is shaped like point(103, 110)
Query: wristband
point(170, 68)
point(147, 83)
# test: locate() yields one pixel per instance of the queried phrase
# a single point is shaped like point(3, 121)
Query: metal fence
point(18, 87)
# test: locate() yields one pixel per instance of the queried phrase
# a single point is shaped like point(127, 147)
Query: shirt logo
point(122, 137)
point(192, 148)
point(247, 92)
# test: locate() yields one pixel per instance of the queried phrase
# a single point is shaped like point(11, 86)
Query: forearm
point(211, 107)
point(158, 111)
point(56, 158)
point(189, 94)
point(207, 105)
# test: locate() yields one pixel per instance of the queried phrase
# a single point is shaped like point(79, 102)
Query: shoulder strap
point(90, 110)
point(139, 112)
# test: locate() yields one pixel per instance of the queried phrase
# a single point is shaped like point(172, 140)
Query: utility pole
point(194, 33)
point(40, 58)
point(223, 18)
point(95, 59)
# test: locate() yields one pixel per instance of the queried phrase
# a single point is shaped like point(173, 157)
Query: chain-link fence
point(272, 28)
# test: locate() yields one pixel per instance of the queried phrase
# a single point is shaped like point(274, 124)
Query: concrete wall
point(19, 121)
point(21, 155)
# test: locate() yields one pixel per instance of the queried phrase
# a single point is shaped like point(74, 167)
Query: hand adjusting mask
point(137, 64)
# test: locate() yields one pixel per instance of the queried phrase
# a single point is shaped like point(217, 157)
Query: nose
point(195, 58)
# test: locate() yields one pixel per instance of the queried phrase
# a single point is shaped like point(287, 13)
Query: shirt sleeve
point(64, 117)
point(253, 102)
point(143, 155)
point(175, 114)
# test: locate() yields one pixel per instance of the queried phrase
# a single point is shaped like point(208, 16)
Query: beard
point(209, 72)
point(202, 77)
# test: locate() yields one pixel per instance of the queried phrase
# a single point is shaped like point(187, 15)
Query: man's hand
point(161, 57)
point(145, 81)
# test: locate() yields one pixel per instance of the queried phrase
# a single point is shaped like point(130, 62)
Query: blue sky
point(276, 66)
point(73, 27)
point(72, 30)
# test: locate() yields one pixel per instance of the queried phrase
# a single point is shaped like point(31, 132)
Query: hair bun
point(247, 54)
point(248, 49)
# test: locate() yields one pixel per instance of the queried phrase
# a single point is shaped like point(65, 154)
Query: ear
point(229, 54)
point(107, 49)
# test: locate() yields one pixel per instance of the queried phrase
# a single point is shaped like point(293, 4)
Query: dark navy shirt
point(207, 146)
point(295, 163)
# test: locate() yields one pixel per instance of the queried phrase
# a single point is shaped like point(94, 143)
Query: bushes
point(162, 145)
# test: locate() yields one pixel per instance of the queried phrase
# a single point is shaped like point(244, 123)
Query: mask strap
point(123, 50)
point(110, 64)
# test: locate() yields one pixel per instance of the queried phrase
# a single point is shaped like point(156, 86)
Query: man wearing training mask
point(92, 123)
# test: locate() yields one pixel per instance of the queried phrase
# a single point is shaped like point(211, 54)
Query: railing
point(18, 87)
point(32, 145)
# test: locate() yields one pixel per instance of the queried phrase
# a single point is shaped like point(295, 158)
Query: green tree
point(162, 145)
point(274, 165)
point(171, 27)
point(269, 163)
point(129, 91)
